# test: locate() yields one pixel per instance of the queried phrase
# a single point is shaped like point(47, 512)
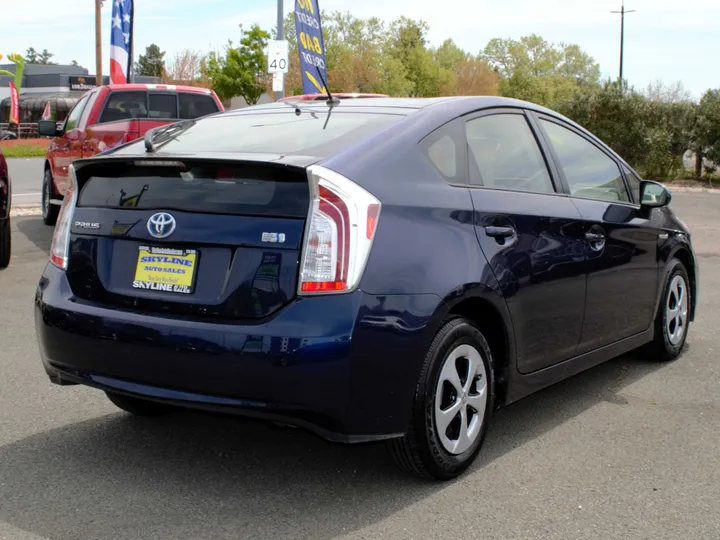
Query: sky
point(665, 40)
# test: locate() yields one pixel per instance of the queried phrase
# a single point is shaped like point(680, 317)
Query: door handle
point(594, 237)
point(499, 232)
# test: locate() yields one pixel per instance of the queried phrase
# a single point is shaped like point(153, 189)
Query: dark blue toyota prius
point(385, 269)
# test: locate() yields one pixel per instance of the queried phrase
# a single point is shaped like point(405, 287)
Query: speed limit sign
point(278, 56)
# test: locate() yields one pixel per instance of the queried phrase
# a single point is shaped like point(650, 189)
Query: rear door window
point(503, 154)
point(196, 105)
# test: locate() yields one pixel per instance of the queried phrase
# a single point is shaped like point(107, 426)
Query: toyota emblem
point(161, 225)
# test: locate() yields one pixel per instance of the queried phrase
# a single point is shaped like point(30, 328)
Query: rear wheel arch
point(493, 320)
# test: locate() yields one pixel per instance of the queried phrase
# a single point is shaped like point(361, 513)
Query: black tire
point(5, 242)
point(421, 452)
point(49, 211)
point(137, 406)
point(663, 348)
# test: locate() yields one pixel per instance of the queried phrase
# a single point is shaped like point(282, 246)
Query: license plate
point(167, 270)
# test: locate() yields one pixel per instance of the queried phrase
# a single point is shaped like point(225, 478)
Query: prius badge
point(273, 237)
point(161, 225)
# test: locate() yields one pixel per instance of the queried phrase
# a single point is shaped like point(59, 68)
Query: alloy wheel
point(46, 196)
point(460, 399)
point(676, 310)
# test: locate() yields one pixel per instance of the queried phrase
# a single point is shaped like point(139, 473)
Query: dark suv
point(371, 269)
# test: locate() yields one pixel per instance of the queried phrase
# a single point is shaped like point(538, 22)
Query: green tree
point(650, 134)
point(613, 114)
point(670, 117)
point(242, 71)
point(408, 45)
point(538, 71)
point(34, 57)
point(46, 58)
point(707, 128)
point(449, 56)
point(152, 63)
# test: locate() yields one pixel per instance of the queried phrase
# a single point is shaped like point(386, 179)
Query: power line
point(622, 13)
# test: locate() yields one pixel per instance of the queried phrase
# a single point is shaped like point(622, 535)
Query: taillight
point(339, 233)
point(61, 237)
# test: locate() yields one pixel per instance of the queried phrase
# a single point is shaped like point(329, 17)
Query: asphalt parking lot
point(27, 177)
point(628, 450)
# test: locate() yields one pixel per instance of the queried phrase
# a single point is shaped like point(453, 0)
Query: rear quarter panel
point(424, 261)
point(425, 241)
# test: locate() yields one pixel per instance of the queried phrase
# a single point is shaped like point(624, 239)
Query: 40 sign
point(310, 46)
point(277, 56)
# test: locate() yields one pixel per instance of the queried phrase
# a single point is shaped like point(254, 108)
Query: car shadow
point(190, 476)
point(35, 230)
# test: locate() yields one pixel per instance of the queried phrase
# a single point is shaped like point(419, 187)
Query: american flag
point(121, 41)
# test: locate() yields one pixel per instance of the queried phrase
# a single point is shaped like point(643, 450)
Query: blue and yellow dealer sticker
point(164, 269)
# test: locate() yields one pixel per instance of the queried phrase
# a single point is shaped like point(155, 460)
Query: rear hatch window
point(310, 133)
point(200, 187)
point(198, 238)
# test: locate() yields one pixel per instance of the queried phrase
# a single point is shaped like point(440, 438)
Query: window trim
point(625, 168)
point(549, 163)
point(590, 139)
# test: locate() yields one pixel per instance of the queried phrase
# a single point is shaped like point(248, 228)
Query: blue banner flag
point(311, 46)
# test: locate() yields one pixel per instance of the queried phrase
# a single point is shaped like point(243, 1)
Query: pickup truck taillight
point(61, 237)
point(341, 226)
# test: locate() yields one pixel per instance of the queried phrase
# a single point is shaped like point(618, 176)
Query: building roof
point(59, 101)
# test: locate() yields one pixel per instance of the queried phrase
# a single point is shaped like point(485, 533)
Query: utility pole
point(131, 63)
point(622, 13)
point(98, 42)
point(280, 36)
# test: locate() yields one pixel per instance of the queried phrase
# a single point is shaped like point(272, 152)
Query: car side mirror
point(654, 195)
point(48, 128)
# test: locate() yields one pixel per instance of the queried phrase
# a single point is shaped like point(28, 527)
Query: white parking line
point(32, 194)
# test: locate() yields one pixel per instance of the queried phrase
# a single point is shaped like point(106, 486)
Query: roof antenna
point(332, 101)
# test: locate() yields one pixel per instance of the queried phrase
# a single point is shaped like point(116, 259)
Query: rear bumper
point(343, 366)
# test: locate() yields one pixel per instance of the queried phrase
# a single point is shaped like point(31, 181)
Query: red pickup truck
point(108, 116)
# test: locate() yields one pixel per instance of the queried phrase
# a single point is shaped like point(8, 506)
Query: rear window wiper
point(156, 137)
